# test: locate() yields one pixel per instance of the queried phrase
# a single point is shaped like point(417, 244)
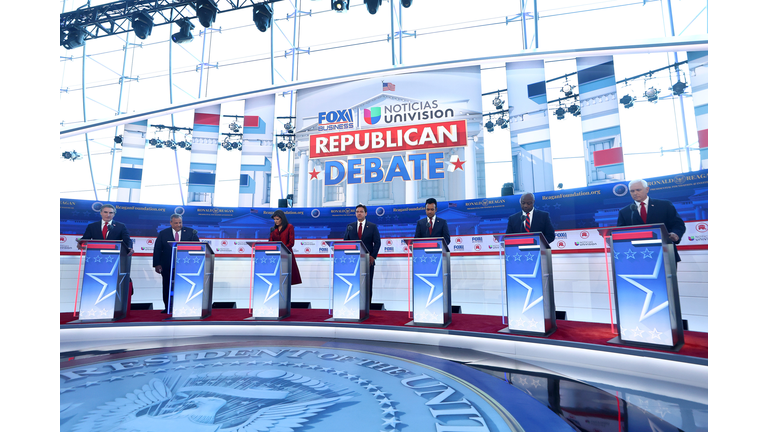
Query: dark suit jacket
point(163, 252)
point(371, 238)
point(659, 211)
point(439, 229)
point(540, 223)
point(117, 231)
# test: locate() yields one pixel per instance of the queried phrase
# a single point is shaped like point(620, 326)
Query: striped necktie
point(528, 222)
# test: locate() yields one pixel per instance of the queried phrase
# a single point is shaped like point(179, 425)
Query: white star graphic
point(645, 313)
point(350, 296)
point(528, 304)
point(423, 277)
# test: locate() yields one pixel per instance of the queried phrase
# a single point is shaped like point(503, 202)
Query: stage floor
point(204, 375)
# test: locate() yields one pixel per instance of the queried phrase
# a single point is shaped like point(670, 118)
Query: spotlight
point(170, 144)
point(406, 3)
point(340, 5)
point(575, 110)
point(679, 88)
point(289, 127)
point(567, 89)
point(628, 101)
point(119, 139)
point(71, 155)
point(560, 113)
point(206, 12)
point(142, 24)
point(75, 38)
point(226, 144)
point(505, 124)
point(185, 32)
point(373, 6)
point(489, 125)
point(498, 103)
point(652, 95)
point(262, 16)
point(559, 185)
point(500, 121)
point(234, 127)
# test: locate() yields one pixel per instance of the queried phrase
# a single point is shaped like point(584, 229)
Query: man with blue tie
point(530, 220)
point(368, 233)
point(432, 226)
point(163, 253)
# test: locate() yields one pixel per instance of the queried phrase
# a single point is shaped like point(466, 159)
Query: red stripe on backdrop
point(608, 157)
point(704, 138)
point(207, 119)
point(251, 121)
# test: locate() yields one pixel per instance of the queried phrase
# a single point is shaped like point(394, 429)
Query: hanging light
point(575, 110)
point(560, 113)
point(340, 5)
point(75, 37)
point(489, 125)
point(373, 6)
point(206, 12)
point(142, 24)
point(652, 95)
point(497, 102)
point(628, 101)
point(567, 89)
point(679, 88)
point(185, 32)
point(262, 16)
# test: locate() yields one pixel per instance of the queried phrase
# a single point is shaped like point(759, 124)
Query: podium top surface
point(606, 231)
point(182, 243)
point(440, 240)
point(360, 242)
point(542, 240)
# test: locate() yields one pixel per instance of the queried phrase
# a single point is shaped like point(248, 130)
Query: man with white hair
point(646, 210)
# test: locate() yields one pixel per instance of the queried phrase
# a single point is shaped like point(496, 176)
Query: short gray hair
point(109, 206)
point(643, 182)
point(176, 216)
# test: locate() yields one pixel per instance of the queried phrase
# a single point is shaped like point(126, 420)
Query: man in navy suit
point(368, 233)
point(109, 229)
point(432, 226)
point(652, 211)
point(530, 220)
point(163, 253)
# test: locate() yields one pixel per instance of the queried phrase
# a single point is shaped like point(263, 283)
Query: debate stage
point(369, 371)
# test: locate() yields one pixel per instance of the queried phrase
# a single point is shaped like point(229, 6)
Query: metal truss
point(115, 18)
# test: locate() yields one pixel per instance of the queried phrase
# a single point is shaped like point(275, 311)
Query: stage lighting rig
point(119, 139)
point(71, 155)
point(489, 125)
point(185, 31)
point(340, 5)
point(560, 113)
point(262, 16)
point(497, 102)
point(234, 127)
point(575, 110)
point(373, 6)
point(75, 37)
point(206, 12)
point(679, 88)
point(142, 24)
point(567, 89)
point(406, 3)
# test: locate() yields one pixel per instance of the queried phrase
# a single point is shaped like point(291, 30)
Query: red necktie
point(360, 230)
point(643, 213)
point(176, 236)
point(104, 231)
point(528, 222)
point(430, 226)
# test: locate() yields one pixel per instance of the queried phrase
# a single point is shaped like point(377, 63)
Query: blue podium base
point(506, 330)
point(674, 348)
point(414, 323)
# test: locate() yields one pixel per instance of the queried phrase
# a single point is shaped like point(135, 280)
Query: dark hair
point(281, 215)
point(431, 201)
point(365, 209)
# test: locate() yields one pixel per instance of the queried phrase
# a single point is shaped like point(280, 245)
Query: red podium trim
point(524, 241)
point(425, 245)
point(633, 235)
point(189, 247)
point(102, 246)
point(345, 247)
point(266, 247)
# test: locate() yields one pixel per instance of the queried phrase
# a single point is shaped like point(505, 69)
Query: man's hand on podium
point(158, 269)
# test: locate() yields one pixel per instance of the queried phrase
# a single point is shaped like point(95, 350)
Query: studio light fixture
point(142, 24)
point(288, 127)
point(575, 110)
point(206, 12)
point(75, 38)
point(234, 127)
point(185, 31)
point(373, 6)
point(679, 88)
point(71, 155)
point(119, 139)
point(340, 5)
point(560, 113)
point(567, 89)
point(406, 3)
point(497, 102)
point(262, 16)
point(489, 125)
point(652, 95)
point(628, 101)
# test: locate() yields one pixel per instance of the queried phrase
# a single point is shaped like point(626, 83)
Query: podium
point(645, 282)
point(350, 287)
point(430, 275)
point(191, 280)
point(530, 291)
point(102, 295)
point(270, 280)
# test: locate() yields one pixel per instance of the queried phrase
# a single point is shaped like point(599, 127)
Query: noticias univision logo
point(372, 115)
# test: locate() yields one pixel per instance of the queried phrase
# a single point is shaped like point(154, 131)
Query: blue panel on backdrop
point(588, 207)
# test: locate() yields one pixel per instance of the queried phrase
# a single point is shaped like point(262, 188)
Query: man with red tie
point(109, 229)
point(368, 233)
point(163, 253)
point(432, 226)
point(530, 220)
point(652, 211)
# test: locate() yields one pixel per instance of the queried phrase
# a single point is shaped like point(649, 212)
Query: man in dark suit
point(109, 229)
point(163, 253)
point(652, 211)
point(432, 226)
point(530, 220)
point(368, 233)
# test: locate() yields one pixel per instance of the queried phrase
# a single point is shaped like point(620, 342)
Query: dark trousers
point(370, 284)
point(167, 290)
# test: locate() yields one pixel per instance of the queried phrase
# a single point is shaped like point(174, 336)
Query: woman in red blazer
point(283, 232)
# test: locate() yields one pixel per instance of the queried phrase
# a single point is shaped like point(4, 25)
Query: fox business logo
point(458, 248)
point(477, 239)
point(561, 235)
point(389, 249)
point(323, 249)
point(335, 120)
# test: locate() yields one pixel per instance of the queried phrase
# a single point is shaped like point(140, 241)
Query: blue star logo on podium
point(341, 276)
point(646, 310)
point(517, 278)
point(192, 294)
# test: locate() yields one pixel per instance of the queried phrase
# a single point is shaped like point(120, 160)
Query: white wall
point(581, 289)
